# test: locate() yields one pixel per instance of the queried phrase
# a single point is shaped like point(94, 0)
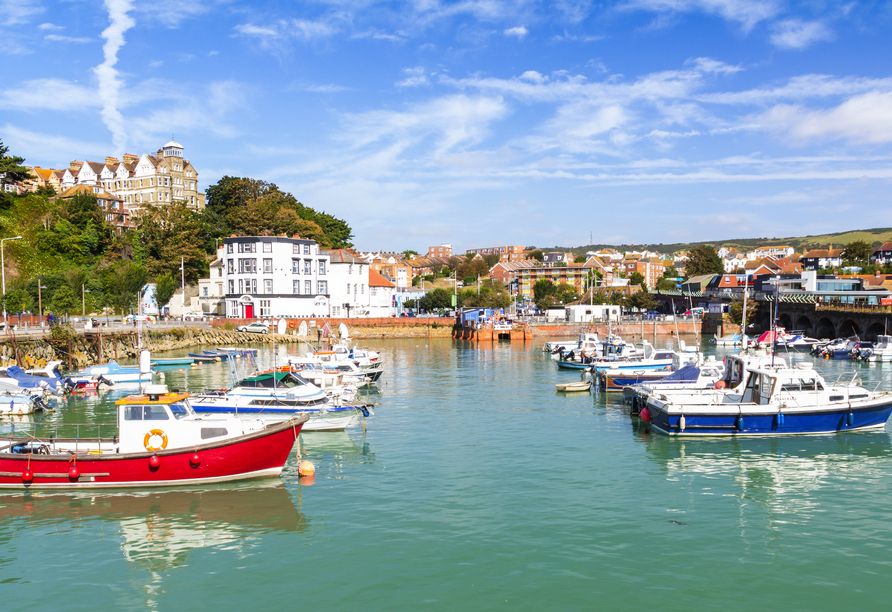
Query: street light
point(3, 272)
point(40, 301)
point(84, 293)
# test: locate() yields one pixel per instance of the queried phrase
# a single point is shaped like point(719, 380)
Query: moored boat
point(774, 401)
point(585, 385)
point(161, 442)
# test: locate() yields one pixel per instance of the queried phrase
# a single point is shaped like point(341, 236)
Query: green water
point(477, 487)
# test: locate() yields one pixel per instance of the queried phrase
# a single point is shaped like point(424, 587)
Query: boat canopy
point(273, 380)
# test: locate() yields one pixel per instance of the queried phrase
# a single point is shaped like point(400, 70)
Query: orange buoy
point(720, 384)
point(306, 468)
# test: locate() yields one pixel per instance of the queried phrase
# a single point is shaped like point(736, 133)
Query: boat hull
point(764, 423)
point(254, 455)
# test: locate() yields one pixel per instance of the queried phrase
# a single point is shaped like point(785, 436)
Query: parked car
point(695, 312)
point(193, 316)
point(255, 328)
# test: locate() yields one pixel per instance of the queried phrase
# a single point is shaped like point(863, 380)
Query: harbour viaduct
point(835, 321)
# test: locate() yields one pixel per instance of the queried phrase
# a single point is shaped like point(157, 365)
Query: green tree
point(642, 300)
point(857, 252)
point(579, 259)
point(123, 283)
point(637, 278)
point(169, 233)
point(537, 254)
point(63, 300)
point(409, 254)
point(703, 259)
point(736, 311)
point(165, 288)
point(12, 172)
point(438, 298)
point(491, 259)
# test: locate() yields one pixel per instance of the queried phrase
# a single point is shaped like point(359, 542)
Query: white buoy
point(681, 423)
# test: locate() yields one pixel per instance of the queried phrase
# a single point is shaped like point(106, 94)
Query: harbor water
point(476, 487)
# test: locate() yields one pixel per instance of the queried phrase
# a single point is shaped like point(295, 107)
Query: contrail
point(109, 84)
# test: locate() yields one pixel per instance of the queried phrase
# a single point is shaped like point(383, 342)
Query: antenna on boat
point(774, 320)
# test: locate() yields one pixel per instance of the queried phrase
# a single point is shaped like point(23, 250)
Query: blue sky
point(481, 123)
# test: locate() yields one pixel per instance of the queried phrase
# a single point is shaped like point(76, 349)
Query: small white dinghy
point(574, 386)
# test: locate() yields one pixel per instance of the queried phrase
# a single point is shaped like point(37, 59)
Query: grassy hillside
point(876, 237)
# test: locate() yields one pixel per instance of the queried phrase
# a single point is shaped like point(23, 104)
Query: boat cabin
point(160, 420)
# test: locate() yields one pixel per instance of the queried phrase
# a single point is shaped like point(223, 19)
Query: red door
point(249, 311)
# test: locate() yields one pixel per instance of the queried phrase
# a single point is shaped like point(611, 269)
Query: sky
point(481, 122)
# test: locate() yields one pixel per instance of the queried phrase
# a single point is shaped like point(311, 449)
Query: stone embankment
point(82, 350)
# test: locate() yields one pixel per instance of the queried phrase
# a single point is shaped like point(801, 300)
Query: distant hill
point(875, 237)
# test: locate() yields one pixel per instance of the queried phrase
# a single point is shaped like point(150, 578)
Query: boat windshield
point(291, 381)
point(179, 411)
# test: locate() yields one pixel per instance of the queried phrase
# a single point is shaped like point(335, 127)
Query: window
point(241, 285)
point(232, 286)
point(229, 248)
point(350, 269)
point(267, 265)
point(348, 289)
point(295, 266)
point(295, 249)
point(205, 291)
point(323, 286)
point(306, 249)
point(373, 291)
point(321, 266)
point(231, 264)
point(267, 286)
point(251, 285)
point(247, 266)
point(267, 247)
point(308, 266)
point(296, 287)
point(265, 309)
point(308, 287)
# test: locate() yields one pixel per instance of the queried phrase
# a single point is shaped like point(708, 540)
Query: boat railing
point(70, 432)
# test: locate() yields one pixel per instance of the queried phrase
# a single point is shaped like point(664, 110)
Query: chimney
point(75, 165)
point(129, 158)
point(111, 160)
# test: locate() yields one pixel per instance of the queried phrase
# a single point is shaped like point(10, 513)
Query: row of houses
point(134, 180)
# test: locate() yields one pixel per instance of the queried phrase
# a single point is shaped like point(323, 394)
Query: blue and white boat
point(773, 401)
point(21, 403)
point(646, 357)
point(111, 374)
point(275, 396)
point(16, 376)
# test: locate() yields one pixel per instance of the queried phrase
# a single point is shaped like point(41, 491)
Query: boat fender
point(780, 419)
point(74, 473)
point(154, 462)
point(739, 422)
point(155, 432)
point(195, 459)
point(681, 423)
point(720, 384)
point(645, 415)
point(850, 419)
point(27, 475)
point(363, 410)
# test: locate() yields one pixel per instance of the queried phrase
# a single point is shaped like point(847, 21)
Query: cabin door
point(249, 311)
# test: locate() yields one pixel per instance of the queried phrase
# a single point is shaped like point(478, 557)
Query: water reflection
point(779, 473)
point(161, 528)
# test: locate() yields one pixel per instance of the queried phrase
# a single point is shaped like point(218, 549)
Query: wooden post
point(69, 354)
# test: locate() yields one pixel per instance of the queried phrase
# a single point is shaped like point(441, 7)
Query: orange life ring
point(291, 324)
point(155, 432)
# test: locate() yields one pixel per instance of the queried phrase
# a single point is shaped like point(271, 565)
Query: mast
point(746, 291)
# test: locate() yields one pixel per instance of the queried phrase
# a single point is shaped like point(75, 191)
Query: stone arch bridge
point(832, 321)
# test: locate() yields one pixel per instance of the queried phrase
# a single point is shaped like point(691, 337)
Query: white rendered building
point(275, 276)
point(349, 289)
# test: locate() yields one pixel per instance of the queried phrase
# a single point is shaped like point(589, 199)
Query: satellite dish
point(281, 327)
point(302, 330)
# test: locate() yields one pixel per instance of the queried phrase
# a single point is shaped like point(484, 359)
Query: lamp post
point(40, 301)
point(183, 282)
point(3, 273)
point(84, 293)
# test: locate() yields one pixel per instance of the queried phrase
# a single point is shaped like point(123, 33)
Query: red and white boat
point(161, 443)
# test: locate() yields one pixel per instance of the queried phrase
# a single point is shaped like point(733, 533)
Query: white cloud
point(48, 94)
point(109, 83)
point(862, 119)
point(519, 32)
point(34, 146)
point(798, 34)
point(274, 34)
point(330, 88)
point(415, 77)
point(15, 12)
point(70, 39)
point(745, 12)
point(50, 26)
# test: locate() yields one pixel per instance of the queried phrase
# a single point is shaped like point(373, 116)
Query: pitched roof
point(376, 280)
point(818, 253)
point(342, 256)
point(883, 247)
